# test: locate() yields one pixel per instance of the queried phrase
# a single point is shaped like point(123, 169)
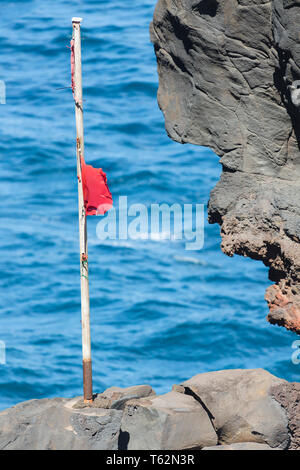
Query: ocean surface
point(159, 313)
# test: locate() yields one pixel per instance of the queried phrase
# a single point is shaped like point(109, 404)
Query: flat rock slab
point(116, 397)
point(241, 406)
point(241, 446)
point(52, 424)
point(168, 422)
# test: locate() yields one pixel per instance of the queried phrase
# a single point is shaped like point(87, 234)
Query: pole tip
point(76, 20)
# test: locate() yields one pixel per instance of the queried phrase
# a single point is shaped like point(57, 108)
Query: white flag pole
point(85, 299)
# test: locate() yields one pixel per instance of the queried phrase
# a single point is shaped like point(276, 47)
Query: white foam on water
point(190, 259)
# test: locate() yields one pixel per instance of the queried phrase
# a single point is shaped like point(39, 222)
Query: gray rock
point(116, 397)
point(224, 407)
point(241, 405)
point(288, 396)
point(168, 422)
point(241, 446)
point(52, 424)
point(225, 70)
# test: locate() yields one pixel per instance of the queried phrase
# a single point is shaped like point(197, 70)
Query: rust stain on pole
point(87, 381)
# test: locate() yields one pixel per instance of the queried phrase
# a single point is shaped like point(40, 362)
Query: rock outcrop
point(225, 75)
point(116, 397)
point(167, 422)
point(257, 417)
point(226, 410)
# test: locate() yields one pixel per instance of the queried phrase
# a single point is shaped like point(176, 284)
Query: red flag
point(97, 196)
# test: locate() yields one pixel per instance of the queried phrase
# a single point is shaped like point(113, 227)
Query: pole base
point(87, 381)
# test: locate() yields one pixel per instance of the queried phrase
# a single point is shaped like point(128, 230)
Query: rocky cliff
point(227, 72)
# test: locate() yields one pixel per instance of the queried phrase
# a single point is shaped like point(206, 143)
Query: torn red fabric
point(97, 196)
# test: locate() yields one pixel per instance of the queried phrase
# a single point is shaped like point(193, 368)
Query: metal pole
point(85, 299)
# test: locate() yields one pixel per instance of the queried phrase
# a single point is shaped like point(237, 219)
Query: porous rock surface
point(225, 70)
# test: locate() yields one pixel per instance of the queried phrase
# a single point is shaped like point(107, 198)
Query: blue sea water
point(159, 313)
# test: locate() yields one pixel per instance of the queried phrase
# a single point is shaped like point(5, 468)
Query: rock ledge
point(223, 410)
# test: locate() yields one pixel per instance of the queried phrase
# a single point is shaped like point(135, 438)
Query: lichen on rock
point(225, 74)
